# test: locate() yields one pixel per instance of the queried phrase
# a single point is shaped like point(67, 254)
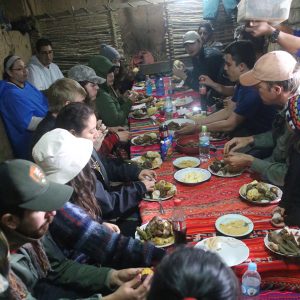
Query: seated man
point(42, 71)
point(276, 76)
point(27, 208)
point(206, 32)
point(246, 113)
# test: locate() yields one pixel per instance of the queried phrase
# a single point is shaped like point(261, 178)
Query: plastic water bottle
point(204, 145)
point(148, 86)
point(160, 87)
point(168, 107)
point(203, 96)
point(179, 223)
point(251, 283)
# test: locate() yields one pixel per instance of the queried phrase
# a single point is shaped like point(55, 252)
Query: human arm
point(287, 41)
point(226, 125)
point(73, 228)
point(222, 89)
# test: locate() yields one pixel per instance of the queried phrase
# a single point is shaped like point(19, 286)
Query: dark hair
point(242, 52)
point(73, 117)
point(207, 25)
point(192, 272)
point(41, 43)
point(5, 75)
point(84, 185)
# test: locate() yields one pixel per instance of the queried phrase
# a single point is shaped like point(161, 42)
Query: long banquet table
point(204, 203)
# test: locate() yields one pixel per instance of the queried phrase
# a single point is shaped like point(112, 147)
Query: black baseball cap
point(24, 184)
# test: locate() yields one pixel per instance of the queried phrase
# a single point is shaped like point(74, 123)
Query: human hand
point(119, 277)
point(237, 143)
point(179, 73)
point(116, 128)
point(123, 135)
point(99, 140)
point(149, 184)
point(112, 227)
point(132, 97)
point(206, 80)
point(238, 160)
point(259, 28)
point(186, 129)
point(146, 174)
point(134, 289)
point(278, 217)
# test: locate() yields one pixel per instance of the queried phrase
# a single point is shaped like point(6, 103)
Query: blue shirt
point(259, 117)
point(17, 107)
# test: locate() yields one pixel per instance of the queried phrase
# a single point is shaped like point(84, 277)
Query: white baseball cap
point(191, 37)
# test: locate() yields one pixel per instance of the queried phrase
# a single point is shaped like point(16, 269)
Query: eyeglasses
point(20, 69)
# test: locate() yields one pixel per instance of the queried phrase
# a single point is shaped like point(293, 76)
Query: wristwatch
point(274, 36)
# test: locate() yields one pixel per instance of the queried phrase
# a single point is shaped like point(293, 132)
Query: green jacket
point(112, 110)
point(64, 273)
point(273, 168)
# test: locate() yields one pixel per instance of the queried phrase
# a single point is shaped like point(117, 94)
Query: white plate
point(264, 201)
point(136, 235)
point(295, 232)
point(138, 160)
point(220, 173)
point(180, 122)
point(162, 199)
point(233, 217)
point(148, 144)
point(179, 175)
point(183, 101)
point(138, 106)
point(179, 160)
point(232, 251)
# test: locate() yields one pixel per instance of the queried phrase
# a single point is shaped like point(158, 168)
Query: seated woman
point(192, 273)
point(88, 79)
point(288, 210)
point(22, 106)
point(110, 108)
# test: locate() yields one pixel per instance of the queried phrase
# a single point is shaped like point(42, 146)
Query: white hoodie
point(40, 76)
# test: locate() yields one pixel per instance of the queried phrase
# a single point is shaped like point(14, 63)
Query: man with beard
point(28, 203)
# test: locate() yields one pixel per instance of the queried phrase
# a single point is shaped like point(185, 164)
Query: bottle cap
point(204, 128)
point(252, 266)
point(177, 202)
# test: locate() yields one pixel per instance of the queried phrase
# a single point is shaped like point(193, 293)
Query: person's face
point(90, 131)
point(192, 49)
point(45, 55)
point(232, 69)
point(92, 90)
point(269, 95)
point(110, 79)
point(205, 36)
point(35, 224)
point(18, 72)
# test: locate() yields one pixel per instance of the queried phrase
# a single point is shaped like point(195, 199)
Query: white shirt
point(40, 76)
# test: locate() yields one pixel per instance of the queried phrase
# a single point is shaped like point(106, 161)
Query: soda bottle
point(148, 86)
point(160, 87)
point(251, 283)
point(204, 145)
point(168, 107)
point(203, 96)
point(179, 224)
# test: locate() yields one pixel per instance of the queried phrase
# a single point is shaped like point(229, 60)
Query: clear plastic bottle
point(168, 108)
point(251, 283)
point(178, 222)
point(203, 96)
point(204, 144)
point(148, 86)
point(160, 87)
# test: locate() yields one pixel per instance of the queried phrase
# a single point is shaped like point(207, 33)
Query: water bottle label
point(204, 141)
point(250, 290)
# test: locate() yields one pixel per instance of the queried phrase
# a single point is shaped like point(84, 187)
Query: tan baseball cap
point(191, 37)
point(273, 66)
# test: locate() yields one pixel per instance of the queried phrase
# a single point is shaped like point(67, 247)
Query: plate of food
point(284, 242)
point(145, 139)
point(234, 225)
point(186, 162)
point(176, 124)
point(232, 251)
point(192, 176)
point(150, 160)
point(139, 114)
point(260, 193)
point(158, 231)
point(188, 144)
point(183, 101)
point(221, 169)
point(163, 190)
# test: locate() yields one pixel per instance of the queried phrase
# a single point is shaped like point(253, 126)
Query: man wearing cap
point(206, 61)
point(42, 71)
point(276, 76)
point(27, 208)
point(61, 92)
